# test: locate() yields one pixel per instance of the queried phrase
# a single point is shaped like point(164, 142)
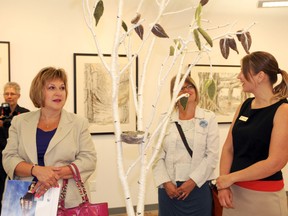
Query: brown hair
point(263, 61)
point(39, 81)
point(188, 80)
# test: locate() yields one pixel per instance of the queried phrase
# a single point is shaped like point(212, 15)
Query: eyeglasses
point(11, 94)
point(188, 87)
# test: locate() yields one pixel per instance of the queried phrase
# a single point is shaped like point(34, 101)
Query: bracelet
point(32, 169)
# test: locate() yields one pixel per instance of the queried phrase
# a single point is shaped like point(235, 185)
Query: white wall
point(48, 32)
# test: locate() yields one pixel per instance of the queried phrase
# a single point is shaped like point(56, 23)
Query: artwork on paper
point(94, 95)
point(220, 90)
point(4, 64)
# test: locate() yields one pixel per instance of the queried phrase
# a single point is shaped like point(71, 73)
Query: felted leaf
point(207, 84)
point(203, 2)
point(159, 31)
point(238, 34)
point(178, 43)
point(232, 44)
point(224, 47)
point(140, 31)
point(172, 51)
point(197, 39)
point(211, 91)
point(124, 26)
point(183, 102)
point(198, 14)
point(136, 19)
point(98, 12)
point(246, 41)
point(206, 36)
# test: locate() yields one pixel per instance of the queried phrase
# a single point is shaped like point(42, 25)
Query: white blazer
point(203, 139)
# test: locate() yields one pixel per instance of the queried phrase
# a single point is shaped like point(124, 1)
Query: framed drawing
point(93, 93)
point(4, 63)
point(220, 90)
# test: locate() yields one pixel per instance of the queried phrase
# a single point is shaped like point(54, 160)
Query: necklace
point(49, 123)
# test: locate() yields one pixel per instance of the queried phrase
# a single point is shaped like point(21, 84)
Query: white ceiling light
point(269, 4)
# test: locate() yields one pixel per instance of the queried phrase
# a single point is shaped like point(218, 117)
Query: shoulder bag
point(216, 208)
point(85, 208)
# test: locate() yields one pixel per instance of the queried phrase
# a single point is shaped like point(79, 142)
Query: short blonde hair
point(39, 81)
point(187, 80)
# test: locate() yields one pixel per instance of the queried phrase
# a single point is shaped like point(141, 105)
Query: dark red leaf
point(159, 31)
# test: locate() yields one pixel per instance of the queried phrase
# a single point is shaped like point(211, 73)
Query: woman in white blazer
point(182, 179)
point(42, 143)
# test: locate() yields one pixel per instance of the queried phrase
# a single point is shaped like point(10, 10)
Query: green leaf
point(206, 36)
point(172, 50)
point(197, 39)
point(207, 84)
point(178, 43)
point(198, 14)
point(183, 102)
point(124, 26)
point(98, 12)
point(210, 87)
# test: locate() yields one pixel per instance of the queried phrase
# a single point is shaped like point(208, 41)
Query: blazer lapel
point(64, 127)
point(28, 130)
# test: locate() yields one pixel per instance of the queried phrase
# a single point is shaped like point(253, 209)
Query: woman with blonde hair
point(188, 158)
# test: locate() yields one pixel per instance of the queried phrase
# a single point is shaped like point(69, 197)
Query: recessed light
point(269, 4)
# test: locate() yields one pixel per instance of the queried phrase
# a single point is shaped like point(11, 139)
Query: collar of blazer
point(28, 129)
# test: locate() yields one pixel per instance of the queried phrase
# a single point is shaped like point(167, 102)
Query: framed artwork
point(93, 93)
point(4, 63)
point(219, 89)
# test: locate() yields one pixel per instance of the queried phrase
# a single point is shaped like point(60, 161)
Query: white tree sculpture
point(196, 44)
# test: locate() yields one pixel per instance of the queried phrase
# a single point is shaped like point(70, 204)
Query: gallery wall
point(47, 33)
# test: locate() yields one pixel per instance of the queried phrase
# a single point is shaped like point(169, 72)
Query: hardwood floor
point(148, 213)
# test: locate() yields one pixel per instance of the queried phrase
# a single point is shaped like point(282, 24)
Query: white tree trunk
point(182, 48)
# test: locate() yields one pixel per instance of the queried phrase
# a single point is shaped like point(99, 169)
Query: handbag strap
point(79, 183)
point(184, 138)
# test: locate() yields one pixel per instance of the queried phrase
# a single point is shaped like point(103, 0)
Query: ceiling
point(243, 7)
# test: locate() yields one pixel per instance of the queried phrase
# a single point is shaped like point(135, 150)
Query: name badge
point(243, 118)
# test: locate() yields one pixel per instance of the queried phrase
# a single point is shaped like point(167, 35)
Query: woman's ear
point(260, 77)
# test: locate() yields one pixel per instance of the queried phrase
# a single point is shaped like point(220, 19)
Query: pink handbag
point(85, 208)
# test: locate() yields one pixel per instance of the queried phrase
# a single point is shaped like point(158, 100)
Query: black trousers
point(3, 176)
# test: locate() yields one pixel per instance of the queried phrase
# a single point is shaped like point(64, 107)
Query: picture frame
point(219, 89)
point(4, 63)
point(92, 93)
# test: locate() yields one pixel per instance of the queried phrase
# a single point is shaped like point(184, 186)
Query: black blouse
point(252, 134)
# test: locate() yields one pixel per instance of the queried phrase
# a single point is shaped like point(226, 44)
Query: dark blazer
point(4, 130)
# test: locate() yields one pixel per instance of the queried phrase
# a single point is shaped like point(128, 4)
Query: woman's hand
point(185, 189)
point(224, 181)
point(171, 190)
point(47, 177)
point(225, 197)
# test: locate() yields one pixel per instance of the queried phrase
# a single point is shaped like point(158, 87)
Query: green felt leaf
point(98, 12)
point(183, 102)
point(212, 90)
